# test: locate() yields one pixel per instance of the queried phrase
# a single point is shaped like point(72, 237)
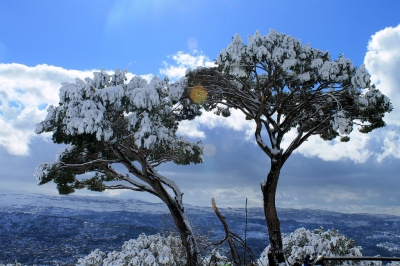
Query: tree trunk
point(186, 233)
point(268, 189)
point(188, 240)
point(175, 208)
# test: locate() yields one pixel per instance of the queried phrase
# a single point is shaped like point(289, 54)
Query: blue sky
point(43, 43)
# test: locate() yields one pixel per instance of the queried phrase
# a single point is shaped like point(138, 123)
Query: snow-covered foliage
point(328, 243)
point(145, 250)
point(94, 105)
point(298, 62)
point(109, 110)
point(295, 85)
point(107, 121)
point(153, 250)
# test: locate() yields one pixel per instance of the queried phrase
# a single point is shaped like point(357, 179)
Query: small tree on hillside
point(285, 86)
point(109, 124)
point(315, 243)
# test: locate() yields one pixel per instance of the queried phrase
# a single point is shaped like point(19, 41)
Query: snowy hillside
point(36, 202)
point(53, 229)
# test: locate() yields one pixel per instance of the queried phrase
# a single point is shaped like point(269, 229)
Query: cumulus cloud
point(355, 150)
point(236, 121)
point(383, 63)
point(391, 144)
point(25, 94)
point(183, 61)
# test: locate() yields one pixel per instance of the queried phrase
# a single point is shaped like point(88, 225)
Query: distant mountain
point(49, 230)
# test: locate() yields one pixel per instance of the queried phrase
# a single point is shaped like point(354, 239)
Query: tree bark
point(186, 234)
point(269, 192)
point(188, 239)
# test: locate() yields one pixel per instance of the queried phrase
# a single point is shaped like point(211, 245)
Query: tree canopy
point(284, 85)
point(97, 115)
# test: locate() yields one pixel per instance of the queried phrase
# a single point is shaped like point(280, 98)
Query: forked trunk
point(174, 205)
point(274, 230)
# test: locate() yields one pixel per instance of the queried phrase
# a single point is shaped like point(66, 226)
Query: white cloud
point(25, 93)
point(190, 129)
point(355, 150)
point(383, 63)
point(235, 121)
point(183, 61)
point(391, 144)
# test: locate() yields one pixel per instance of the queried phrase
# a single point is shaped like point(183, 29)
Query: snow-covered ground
point(68, 227)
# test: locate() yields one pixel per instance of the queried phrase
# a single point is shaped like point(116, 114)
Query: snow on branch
point(291, 85)
point(137, 116)
point(315, 243)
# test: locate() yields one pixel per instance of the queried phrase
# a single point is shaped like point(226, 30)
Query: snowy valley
point(49, 230)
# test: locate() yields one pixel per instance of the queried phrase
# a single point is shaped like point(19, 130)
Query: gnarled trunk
point(174, 205)
point(186, 233)
point(268, 189)
point(182, 224)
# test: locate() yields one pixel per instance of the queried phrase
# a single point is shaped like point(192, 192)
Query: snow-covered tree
point(145, 250)
point(153, 250)
point(329, 243)
point(285, 86)
point(107, 124)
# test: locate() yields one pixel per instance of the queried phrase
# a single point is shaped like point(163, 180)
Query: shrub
point(329, 243)
point(153, 250)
